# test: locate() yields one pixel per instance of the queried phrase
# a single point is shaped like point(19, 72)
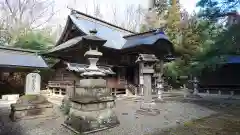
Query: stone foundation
point(148, 108)
point(31, 107)
point(90, 117)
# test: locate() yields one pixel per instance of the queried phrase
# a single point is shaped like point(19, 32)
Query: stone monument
point(146, 69)
point(92, 103)
point(33, 82)
point(32, 104)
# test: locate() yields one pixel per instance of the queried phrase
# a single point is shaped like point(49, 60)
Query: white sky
point(106, 7)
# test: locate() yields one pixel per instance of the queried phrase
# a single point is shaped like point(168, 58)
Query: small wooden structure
point(224, 80)
point(14, 66)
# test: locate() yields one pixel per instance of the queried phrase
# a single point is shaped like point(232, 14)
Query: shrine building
point(121, 53)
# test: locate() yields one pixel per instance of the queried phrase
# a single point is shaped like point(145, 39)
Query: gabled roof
point(117, 37)
point(84, 23)
point(11, 57)
point(119, 40)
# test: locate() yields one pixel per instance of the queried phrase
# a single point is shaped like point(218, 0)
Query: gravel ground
point(225, 122)
point(171, 114)
point(43, 126)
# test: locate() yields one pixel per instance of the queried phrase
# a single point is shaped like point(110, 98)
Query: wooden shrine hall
point(120, 52)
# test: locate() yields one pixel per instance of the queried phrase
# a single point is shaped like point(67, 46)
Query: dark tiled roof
point(147, 32)
point(144, 39)
point(117, 37)
point(66, 44)
point(20, 58)
point(18, 49)
point(80, 68)
point(233, 59)
point(113, 36)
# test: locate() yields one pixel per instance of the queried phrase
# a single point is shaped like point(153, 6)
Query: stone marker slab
point(33, 82)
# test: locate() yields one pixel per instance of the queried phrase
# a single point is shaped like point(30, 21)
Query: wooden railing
point(60, 84)
point(116, 92)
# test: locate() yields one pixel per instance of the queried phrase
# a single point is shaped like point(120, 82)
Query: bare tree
point(114, 12)
point(133, 17)
point(154, 19)
point(86, 8)
point(20, 16)
point(97, 11)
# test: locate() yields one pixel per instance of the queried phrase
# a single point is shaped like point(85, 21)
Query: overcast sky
point(106, 7)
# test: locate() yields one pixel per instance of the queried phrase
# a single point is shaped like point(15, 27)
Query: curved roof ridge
point(102, 21)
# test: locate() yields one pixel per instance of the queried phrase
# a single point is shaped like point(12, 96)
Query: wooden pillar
point(141, 92)
point(60, 91)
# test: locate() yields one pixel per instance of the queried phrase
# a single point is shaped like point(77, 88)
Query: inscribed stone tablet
point(33, 82)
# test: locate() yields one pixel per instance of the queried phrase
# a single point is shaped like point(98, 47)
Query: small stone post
point(195, 86)
point(232, 93)
point(208, 92)
point(219, 92)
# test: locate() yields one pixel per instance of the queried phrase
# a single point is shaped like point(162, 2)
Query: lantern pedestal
point(91, 106)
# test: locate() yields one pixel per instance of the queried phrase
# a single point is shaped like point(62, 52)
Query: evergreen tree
point(188, 47)
point(213, 9)
point(173, 22)
point(35, 40)
point(161, 6)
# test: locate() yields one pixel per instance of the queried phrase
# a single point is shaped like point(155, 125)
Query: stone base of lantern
point(31, 107)
point(91, 116)
point(148, 108)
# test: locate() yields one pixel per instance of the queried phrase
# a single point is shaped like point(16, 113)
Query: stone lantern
point(146, 69)
point(92, 103)
point(195, 82)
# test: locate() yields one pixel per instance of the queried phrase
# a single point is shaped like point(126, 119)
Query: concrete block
point(12, 97)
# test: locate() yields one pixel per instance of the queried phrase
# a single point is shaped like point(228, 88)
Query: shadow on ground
point(7, 127)
point(225, 122)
